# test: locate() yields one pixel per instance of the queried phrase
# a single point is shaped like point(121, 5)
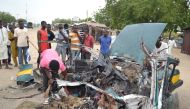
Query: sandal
point(8, 68)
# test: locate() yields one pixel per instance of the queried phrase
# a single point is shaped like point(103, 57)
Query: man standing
point(8, 44)
point(51, 35)
point(21, 35)
point(171, 44)
point(14, 50)
point(3, 45)
point(61, 37)
point(66, 27)
point(105, 42)
point(42, 35)
point(75, 41)
point(88, 42)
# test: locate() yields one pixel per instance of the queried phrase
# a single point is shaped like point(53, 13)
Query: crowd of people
point(15, 42)
point(52, 61)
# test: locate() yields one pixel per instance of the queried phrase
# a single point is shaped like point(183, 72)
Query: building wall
point(186, 42)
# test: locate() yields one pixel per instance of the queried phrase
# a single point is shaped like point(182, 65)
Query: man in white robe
point(3, 45)
point(171, 44)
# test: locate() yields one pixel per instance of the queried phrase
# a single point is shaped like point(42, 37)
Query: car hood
point(127, 43)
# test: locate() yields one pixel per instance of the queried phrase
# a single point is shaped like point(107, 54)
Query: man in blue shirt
point(105, 42)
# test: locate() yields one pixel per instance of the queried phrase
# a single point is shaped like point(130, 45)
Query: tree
point(102, 17)
point(69, 21)
point(118, 13)
point(58, 20)
point(85, 20)
point(6, 17)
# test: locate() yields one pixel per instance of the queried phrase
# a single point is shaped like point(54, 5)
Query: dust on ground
point(69, 102)
point(7, 78)
point(184, 68)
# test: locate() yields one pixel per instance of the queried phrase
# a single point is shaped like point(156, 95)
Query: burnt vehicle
point(134, 76)
point(135, 69)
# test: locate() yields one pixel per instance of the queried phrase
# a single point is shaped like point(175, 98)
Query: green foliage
point(58, 20)
point(85, 20)
point(6, 17)
point(118, 13)
point(69, 21)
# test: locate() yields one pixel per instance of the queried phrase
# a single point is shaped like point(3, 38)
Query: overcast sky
point(38, 10)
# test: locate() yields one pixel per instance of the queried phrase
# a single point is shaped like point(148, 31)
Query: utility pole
point(17, 16)
point(87, 16)
point(26, 11)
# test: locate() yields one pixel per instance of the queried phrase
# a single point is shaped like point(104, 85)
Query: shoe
point(16, 66)
point(56, 97)
point(7, 67)
point(46, 101)
point(10, 64)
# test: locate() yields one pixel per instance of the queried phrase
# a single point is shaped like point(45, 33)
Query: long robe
point(3, 43)
point(14, 50)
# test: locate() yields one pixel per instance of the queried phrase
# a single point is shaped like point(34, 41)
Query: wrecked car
point(131, 78)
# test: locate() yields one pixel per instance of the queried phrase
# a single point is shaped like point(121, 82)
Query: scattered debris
point(28, 105)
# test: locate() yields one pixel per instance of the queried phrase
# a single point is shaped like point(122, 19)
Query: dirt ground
point(184, 68)
point(7, 78)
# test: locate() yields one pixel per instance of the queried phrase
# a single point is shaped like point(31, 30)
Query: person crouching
point(50, 65)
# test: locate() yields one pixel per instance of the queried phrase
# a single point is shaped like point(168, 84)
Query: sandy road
point(6, 76)
point(184, 91)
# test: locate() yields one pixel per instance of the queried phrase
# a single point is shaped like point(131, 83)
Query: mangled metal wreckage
point(132, 77)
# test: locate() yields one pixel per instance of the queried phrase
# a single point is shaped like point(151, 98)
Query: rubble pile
point(121, 76)
point(116, 76)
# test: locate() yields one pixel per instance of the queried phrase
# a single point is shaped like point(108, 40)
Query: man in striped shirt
point(75, 39)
